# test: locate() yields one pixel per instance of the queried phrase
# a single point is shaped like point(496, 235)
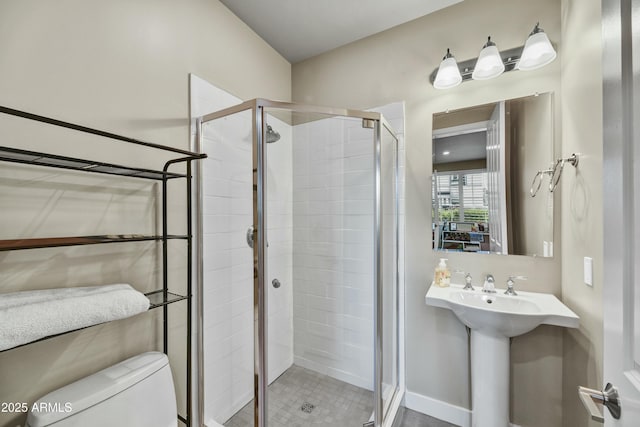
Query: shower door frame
point(390, 406)
point(257, 107)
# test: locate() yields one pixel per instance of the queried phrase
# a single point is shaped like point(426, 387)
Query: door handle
point(608, 397)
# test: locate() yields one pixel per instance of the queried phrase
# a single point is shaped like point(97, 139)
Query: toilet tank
point(136, 392)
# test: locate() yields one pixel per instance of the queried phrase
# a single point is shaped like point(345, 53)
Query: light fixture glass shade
point(448, 75)
point(537, 51)
point(489, 63)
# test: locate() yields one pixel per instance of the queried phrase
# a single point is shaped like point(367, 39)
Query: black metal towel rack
point(159, 298)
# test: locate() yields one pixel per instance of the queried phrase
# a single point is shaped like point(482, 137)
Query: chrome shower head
point(271, 135)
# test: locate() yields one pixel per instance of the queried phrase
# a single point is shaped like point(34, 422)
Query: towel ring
point(558, 168)
point(537, 181)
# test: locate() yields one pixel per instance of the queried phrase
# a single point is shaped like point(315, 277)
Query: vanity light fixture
point(536, 53)
point(448, 74)
point(489, 64)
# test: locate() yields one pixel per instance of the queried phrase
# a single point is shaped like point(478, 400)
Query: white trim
point(438, 409)
point(460, 129)
point(441, 410)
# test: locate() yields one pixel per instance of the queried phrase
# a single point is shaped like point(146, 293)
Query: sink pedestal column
point(489, 380)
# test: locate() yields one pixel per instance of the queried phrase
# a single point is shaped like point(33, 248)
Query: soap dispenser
point(442, 277)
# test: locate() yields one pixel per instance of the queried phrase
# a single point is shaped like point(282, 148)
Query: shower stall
point(298, 242)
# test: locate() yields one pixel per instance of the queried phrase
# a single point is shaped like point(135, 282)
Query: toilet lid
point(96, 388)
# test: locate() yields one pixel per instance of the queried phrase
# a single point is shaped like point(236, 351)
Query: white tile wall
point(280, 250)
point(333, 245)
point(228, 266)
point(333, 249)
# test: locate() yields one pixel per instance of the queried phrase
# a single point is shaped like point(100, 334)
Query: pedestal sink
point(493, 318)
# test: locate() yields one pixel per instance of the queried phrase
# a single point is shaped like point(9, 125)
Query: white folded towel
point(30, 315)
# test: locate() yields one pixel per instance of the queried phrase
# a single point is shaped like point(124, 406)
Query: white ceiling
point(300, 29)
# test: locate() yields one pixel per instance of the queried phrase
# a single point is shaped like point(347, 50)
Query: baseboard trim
point(438, 409)
point(441, 410)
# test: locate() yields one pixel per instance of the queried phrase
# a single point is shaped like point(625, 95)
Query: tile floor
point(335, 403)
point(301, 397)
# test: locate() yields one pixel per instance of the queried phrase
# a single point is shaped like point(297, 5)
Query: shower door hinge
point(368, 124)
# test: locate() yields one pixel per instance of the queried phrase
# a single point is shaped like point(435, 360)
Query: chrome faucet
point(510, 283)
point(489, 284)
point(467, 280)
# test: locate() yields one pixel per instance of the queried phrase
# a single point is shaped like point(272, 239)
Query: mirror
point(485, 159)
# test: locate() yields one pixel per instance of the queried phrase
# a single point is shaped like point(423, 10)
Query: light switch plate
point(588, 271)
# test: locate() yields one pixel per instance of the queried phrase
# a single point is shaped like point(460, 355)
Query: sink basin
point(505, 315)
point(493, 318)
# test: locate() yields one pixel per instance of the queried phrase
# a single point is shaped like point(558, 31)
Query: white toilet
point(137, 392)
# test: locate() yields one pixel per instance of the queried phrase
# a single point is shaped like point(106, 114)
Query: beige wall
point(394, 66)
point(582, 210)
point(120, 66)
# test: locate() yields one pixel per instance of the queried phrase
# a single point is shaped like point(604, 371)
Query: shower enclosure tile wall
point(333, 244)
point(333, 249)
point(280, 239)
point(228, 291)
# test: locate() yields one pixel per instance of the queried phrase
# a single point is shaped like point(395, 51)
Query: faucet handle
point(467, 279)
point(510, 283)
